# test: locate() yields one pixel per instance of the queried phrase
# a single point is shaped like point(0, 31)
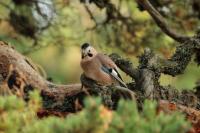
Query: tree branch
point(126, 66)
point(161, 22)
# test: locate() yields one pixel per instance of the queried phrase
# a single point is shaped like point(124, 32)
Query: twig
point(90, 14)
point(5, 5)
point(161, 22)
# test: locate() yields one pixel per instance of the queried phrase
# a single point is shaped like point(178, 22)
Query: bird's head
point(87, 51)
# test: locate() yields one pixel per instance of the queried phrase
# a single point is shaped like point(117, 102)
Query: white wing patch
point(114, 73)
point(117, 77)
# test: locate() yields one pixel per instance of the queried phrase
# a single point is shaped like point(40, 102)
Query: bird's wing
point(110, 67)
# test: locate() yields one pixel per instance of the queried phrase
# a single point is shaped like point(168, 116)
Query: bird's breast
point(93, 70)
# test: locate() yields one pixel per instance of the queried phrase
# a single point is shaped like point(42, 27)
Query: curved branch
point(161, 22)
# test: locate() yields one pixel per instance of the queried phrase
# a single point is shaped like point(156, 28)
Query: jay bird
point(99, 67)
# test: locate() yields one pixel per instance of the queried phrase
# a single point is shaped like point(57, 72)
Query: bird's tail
point(122, 83)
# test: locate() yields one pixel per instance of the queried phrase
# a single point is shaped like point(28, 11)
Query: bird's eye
point(89, 51)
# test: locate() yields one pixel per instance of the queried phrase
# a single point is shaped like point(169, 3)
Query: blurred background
point(50, 32)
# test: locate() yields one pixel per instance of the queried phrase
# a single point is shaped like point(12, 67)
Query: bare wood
point(26, 74)
point(10, 60)
point(62, 90)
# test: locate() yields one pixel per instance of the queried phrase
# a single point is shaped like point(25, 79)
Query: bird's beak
point(83, 54)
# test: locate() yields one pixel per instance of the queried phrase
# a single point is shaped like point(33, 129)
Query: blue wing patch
point(107, 70)
point(114, 73)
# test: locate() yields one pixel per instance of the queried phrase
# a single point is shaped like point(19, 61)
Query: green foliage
point(19, 117)
point(128, 119)
point(15, 114)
